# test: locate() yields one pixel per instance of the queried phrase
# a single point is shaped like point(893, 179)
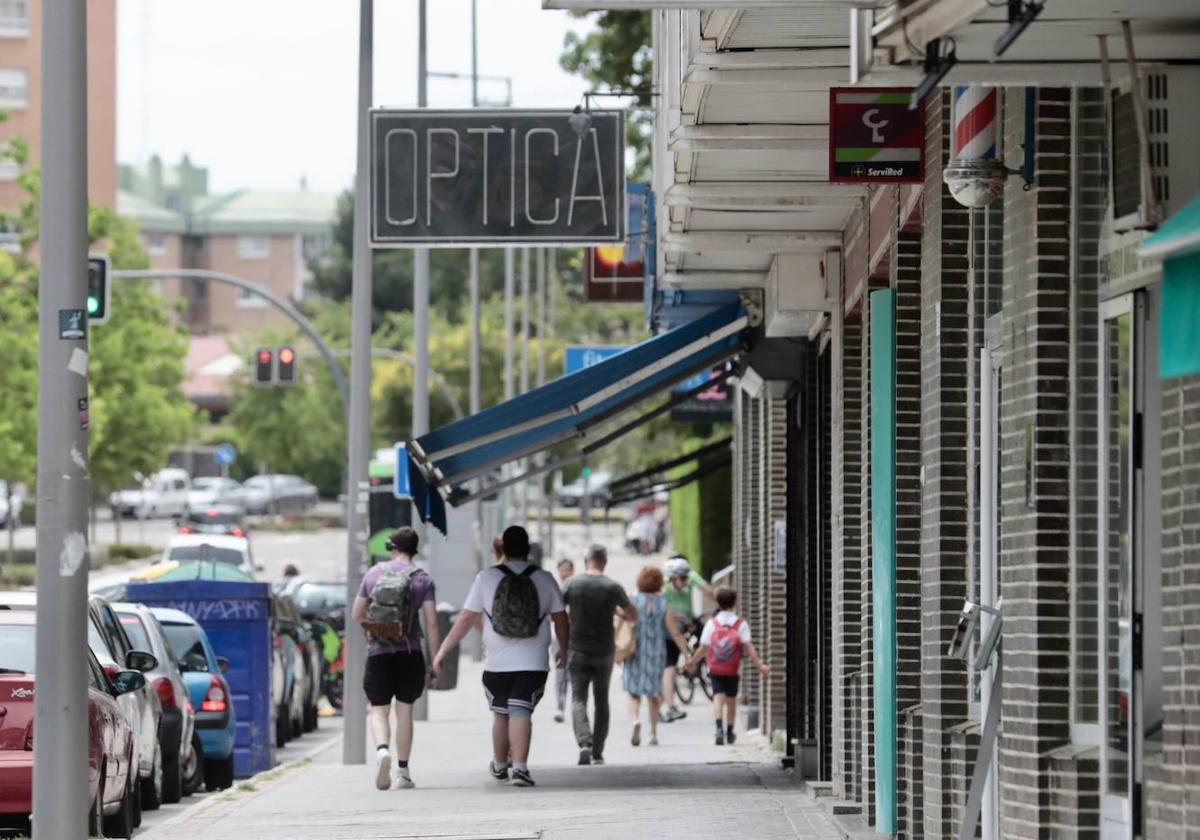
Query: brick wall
point(772, 633)
point(1034, 555)
point(944, 546)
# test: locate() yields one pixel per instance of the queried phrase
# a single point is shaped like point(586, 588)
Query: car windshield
point(318, 596)
point(213, 517)
point(136, 631)
point(206, 483)
point(16, 649)
point(206, 553)
point(259, 481)
point(187, 646)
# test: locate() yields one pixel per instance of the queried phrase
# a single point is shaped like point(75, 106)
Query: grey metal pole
point(354, 744)
point(540, 293)
point(60, 704)
point(524, 368)
point(509, 347)
point(420, 405)
point(474, 55)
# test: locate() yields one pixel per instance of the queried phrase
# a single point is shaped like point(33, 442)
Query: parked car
point(213, 519)
point(204, 675)
point(211, 548)
point(163, 494)
point(279, 493)
point(322, 603)
point(209, 491)
point(290, 621)
point(115, 652)
point(16, 505)
point(142, 709)
point(179, 759)
point(289, 710)
point(571, 495)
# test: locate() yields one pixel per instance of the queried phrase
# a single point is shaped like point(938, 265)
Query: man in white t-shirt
point(516, 601)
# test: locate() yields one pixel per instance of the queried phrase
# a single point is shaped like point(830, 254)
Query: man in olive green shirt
point(682, 580)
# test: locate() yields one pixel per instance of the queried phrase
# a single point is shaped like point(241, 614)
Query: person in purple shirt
point(395, 664)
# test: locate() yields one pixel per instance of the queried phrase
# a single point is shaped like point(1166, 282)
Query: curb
point(232, 796)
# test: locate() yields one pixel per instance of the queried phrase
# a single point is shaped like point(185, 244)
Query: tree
point(617, 55)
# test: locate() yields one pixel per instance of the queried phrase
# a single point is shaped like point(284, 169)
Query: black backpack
point(516, 609)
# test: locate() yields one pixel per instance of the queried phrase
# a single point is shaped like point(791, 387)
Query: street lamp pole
point(60, 704)
point(354, 746)
point(524, 367)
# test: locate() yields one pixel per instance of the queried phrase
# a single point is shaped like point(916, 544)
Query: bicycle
point(685, 683)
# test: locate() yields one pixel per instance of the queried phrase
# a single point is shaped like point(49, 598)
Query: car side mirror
point(195, 662)
point(223, 664)
point(127, 681)
point(139, 660)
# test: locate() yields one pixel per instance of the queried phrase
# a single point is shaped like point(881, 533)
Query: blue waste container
point(237, 618)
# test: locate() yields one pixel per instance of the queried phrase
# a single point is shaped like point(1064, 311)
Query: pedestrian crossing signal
point(286, 372)
point(98, 289)
point(264, 366)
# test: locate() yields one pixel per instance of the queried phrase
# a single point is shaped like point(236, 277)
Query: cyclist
point(682, 580)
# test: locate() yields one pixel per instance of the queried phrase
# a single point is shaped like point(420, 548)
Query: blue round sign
point(225, 455)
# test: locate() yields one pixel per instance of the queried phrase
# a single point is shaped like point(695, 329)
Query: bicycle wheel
point(704, 679)
point(685, 687)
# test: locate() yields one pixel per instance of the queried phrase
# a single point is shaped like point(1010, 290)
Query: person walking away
point(643, 671)
point(593, 599)
point(498, 548)
point(682, 581)
point(566, 568)
point(517, 602)
point(724, 641)
point(394, 596)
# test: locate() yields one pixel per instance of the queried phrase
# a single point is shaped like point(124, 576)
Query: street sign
point(401, 486)
point(874, 138)
point(225, 454)
point(578, 357)
point(453, 178)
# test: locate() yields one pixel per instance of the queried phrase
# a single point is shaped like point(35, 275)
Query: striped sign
point(975, 123)
point(874, 137)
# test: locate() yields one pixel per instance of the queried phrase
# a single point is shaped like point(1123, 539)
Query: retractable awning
point(702, 469)
point(569, 407)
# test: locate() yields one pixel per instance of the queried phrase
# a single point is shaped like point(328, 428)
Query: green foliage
point(700, 515)
point(617, 55)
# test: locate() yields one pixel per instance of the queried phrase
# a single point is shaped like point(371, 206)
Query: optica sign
point(487, 177)
point(874, 138)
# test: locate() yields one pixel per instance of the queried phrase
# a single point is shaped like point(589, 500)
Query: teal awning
point(1177, 236)
point(1177, 244)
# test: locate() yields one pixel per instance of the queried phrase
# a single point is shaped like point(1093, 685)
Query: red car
point(110, 739)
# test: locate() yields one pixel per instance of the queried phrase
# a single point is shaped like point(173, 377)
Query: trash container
point(447, 614)
point(236, 617)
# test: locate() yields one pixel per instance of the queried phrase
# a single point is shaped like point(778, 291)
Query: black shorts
point(672, 653)
point(725, 685)
point(400, 674)
point(517, 692)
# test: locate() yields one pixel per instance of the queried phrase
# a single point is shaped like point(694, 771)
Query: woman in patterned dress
point(642, 675)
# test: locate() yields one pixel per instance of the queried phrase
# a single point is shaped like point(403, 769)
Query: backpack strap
point(529, 570)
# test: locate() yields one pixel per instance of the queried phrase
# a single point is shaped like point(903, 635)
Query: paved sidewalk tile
point(686, 788)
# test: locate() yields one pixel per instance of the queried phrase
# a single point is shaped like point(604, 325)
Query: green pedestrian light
point(98, 291)
point(93, 305)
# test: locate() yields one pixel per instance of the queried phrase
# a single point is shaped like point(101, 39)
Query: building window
point(156, 244)
point(315, 246)
point(14, 18)
point(14, 88)
point(253, 247)
point(249, 300)
point(9, 169)
point(10, 236)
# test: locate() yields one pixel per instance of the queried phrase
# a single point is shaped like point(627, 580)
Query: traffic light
point(98, 289)
point(286, 372)
point(264, 367)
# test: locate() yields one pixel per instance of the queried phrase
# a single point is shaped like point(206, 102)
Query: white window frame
point(14, 26)
point(10, 170)
point(249, 300)
point(156, 244)
point(14, 79)
point(253, 247)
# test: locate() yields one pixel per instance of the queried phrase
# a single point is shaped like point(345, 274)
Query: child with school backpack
point(723, 643)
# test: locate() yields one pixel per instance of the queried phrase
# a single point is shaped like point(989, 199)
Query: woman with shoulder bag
point(644, 664)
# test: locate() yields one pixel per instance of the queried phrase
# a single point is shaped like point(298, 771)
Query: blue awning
point(569, 407)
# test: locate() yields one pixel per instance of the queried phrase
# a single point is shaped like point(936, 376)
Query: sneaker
point(585, 755)
point(403, 779)
point(730, 738)
point(383, 770)
point(672, 714)
point(597, 759)
point(558, 717)
point(720, 738)
point(654, 740)
point(499, 771)
point(521, 778)
point(636, 738)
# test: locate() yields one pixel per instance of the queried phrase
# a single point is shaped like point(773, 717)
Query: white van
point(163, 494)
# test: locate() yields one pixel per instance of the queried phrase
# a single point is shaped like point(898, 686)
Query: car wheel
point(136, 798)
point(95, 827)
point(281, 727)
point(193, 768)
point(121, 824)
point(310, 717)
point(152, 785)
point(172, 779)
point(218, 773)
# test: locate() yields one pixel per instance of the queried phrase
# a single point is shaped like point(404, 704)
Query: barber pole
point(975, 174)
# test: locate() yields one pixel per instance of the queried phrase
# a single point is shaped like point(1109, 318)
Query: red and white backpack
point(725, 649)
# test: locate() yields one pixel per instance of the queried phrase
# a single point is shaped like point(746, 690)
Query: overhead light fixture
point(937, 66)
point(1020, 15)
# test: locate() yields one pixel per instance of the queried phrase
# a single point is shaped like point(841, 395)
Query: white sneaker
point(403, 779)
point(383, 770)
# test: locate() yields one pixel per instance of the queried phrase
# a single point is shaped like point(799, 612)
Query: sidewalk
point(685, 788)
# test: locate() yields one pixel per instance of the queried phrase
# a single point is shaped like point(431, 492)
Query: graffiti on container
point(225, 609)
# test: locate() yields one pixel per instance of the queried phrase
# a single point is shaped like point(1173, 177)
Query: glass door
point(1119, 637)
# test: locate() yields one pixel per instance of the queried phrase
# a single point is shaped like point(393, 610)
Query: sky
point(262, 92)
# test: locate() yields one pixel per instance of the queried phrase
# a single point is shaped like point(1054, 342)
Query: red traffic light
point(264, 357)
point(287, 355)
point(286, 372)
point(264, 369)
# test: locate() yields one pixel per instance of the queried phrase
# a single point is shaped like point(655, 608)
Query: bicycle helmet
point(677, 567)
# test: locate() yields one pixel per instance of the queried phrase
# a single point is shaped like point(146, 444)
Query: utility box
point(236, 616)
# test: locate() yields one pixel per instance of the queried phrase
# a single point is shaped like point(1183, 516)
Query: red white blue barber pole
point(975, 174)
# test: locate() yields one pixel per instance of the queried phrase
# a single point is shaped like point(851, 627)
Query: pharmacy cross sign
point(453, 178)
point(874, 138)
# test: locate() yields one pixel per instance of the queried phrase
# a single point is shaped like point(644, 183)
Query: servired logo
point(22, 692)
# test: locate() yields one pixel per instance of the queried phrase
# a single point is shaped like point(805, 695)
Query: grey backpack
point(516, 609)
point(391, 600)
